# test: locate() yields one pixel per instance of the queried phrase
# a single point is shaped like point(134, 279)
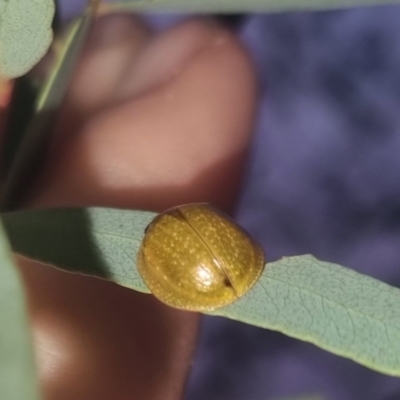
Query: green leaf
point(25, 34)
point(335, 308)
point(234, 6)
point(99, 242)
point(17, 369)
point(34, 134)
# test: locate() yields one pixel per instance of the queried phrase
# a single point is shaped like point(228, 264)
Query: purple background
point(324, 179)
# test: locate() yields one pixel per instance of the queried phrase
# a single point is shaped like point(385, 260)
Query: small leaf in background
point(25, 34)
point(17, 368)
point(233, 6)
point(335, 308)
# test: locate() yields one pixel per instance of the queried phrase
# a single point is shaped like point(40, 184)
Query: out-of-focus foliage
point(25, 34)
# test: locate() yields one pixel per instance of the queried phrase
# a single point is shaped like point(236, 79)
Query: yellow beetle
point(194, 257)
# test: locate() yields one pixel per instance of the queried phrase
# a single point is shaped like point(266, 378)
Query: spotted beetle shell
point(194, 257)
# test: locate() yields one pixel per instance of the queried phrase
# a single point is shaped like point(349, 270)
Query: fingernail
point(168, 54)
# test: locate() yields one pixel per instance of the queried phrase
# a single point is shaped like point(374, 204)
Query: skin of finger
point(119, 38)
point(205, 143)
point(182, 141)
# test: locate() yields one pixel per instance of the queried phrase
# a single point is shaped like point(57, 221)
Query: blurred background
point(323, 178)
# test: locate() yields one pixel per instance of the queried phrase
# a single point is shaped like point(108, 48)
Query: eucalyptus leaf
point(25, 34)
point(17, 369)
point(234, 6)
point(333, 307)
point(100, 242)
